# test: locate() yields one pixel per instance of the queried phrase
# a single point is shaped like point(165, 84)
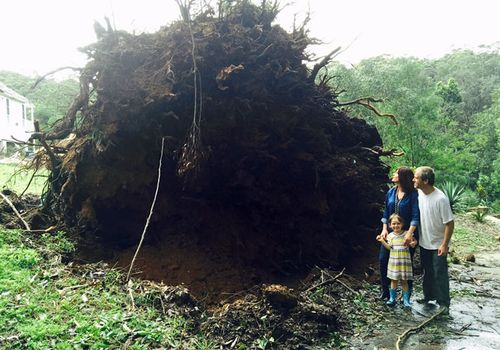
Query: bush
point(479, 215)
point(469, 199)
point(495, 206)
point(454, 192)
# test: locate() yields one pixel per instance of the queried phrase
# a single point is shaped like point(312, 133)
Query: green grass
point(471, 236)
point(45, 304)
point(15, 178)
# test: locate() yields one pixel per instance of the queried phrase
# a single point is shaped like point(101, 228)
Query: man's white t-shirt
point(435, 212)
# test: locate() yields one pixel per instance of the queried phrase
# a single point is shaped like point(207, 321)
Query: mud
point(473, 321)
point(244, 304)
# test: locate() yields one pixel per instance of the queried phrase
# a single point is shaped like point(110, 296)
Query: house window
point(29, 111)
point(23, 115)
point(7, 104)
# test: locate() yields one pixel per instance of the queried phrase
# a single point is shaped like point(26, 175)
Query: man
point(436, 225)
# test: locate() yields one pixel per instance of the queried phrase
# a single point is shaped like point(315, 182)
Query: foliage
point(51, 98)
point(58, 243)
point(469, 199)
point(447, 111)
point(45, 305)
point(479, 215)
point(454, 192)
point(338, 341)
point(264, 343)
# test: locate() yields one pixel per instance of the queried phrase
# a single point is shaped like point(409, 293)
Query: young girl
point(399, 267)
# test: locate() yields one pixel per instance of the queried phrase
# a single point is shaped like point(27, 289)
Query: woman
point(402, 199)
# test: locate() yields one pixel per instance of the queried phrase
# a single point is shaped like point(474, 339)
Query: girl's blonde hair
point(397, 217)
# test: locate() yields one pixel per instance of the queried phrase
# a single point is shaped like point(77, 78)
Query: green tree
point(485, 145)
point(477, 74)
point(447, 114)
point(51, 98)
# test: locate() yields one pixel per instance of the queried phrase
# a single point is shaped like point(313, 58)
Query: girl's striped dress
point(399, 267)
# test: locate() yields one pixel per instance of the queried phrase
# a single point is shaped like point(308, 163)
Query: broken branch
point(326, 282)
point(405, 334)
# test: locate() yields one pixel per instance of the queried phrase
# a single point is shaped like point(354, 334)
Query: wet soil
point(211, 276)
point(474, 317)
point(326, 308)
point(473, 321)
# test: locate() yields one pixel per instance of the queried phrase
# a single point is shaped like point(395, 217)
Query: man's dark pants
point(436, 284)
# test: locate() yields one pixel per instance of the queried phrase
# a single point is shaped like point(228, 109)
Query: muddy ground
point(474, 319)
point(333, 308)
point(473, 322)
point(339, 309)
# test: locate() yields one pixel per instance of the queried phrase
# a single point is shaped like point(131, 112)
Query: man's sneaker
point(423, 301)
point(443, 310)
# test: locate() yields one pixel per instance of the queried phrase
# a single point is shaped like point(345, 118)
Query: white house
point(16, 119)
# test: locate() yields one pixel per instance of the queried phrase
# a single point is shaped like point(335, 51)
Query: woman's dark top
point(407, 208)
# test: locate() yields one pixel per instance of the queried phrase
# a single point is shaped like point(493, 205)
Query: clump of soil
point(263, 176)
point(26, 206)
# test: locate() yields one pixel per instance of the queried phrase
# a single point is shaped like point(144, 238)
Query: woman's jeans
point(383, 258)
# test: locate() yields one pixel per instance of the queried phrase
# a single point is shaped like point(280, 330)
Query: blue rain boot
point(406, 298)
point(392, 294)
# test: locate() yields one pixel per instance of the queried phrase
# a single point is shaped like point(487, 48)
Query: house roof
point(8, 92)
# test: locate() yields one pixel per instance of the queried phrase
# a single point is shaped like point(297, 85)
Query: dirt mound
point(262, 176)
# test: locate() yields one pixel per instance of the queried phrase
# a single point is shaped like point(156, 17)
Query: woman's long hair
point(405, 175)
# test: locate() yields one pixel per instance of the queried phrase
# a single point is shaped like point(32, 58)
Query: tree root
point(367, 102)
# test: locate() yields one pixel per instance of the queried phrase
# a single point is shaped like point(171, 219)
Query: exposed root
point(367, 102)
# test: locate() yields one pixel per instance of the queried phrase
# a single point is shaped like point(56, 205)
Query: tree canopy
point(447, 111)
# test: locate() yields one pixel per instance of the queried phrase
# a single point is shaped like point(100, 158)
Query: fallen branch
point(15, 211)
point(342, 283)
point(132, 300)
point(402, 337)
point(47, 230)
point(325, 282)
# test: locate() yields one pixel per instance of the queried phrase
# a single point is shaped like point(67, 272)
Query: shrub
point(479, 215)
point(469, 199)
point(454, 192)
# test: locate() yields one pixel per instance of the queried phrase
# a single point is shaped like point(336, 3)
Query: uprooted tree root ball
point(263, 176)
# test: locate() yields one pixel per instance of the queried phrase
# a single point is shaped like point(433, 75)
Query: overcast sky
point(39, 36)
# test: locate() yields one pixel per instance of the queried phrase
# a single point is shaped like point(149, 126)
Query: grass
point(15, 178)
point(45, 304)
point(471, 236)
